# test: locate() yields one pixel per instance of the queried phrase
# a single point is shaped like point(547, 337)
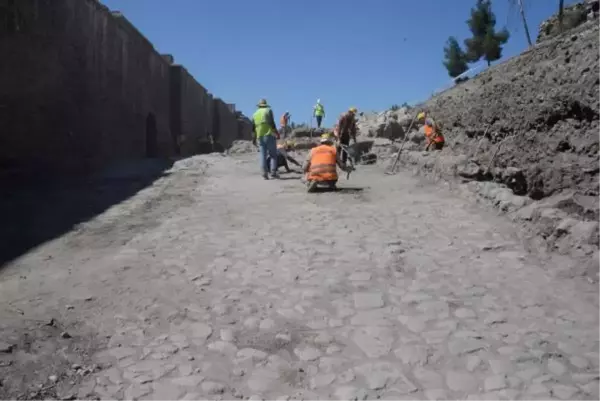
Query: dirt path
point(225, 285)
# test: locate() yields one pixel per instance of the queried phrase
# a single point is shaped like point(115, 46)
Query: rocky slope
point(525, 134)
point(547, 101)
point(573, 16)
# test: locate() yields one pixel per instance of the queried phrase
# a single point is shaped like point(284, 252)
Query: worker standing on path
point(265, 132)
point(283, 124)
point(433, 132)
point(321, 165)
point(319, 112)
point(346, 129)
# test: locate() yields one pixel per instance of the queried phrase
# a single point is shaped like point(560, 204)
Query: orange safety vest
point(433, 135)
point(323, 160)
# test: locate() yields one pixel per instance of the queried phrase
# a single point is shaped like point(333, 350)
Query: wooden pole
point(525, 23)
point(403, 142)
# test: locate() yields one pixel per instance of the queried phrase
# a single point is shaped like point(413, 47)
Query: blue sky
point(369, 54)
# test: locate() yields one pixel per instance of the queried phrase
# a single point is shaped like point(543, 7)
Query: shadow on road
point(347, 190)
point(33, 214)
point(285, 178)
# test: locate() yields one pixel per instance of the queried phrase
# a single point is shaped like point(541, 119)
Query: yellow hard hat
point(352, 110)
point(326, 137)
point(421, 115)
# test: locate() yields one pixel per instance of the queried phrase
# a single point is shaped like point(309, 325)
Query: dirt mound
point(523, 136)
point(242, 147)
point(308, 132)
point(543, 105)
point(573, 16)
point(391, 124)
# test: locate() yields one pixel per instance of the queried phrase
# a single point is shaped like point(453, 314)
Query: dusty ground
point(212, 283)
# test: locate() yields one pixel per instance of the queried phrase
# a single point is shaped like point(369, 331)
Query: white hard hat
point(318, 100)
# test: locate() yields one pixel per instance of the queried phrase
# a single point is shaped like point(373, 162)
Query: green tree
point(455, 59)
point(492, 45)
point(485, 43)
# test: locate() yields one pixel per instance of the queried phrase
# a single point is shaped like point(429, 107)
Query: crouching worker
point(321, 165)
point(433, 132)
point(283, 157)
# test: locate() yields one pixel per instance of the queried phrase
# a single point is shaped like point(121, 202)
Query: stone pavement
point(255, 289)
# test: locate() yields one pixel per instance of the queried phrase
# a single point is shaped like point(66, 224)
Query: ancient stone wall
point(81, 87)
point(227, 123)
point(191, 119)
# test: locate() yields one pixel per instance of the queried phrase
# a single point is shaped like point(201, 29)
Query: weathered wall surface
point(80, 87)
point(226, 120)
point(191, 121)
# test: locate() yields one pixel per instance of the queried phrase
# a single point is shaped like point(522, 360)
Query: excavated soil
point(544, 105)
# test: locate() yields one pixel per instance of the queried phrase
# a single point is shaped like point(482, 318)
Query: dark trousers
point(344, 140)
point(281, 161)
point(319, 119)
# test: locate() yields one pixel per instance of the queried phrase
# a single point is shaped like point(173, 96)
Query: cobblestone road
point(244, 288)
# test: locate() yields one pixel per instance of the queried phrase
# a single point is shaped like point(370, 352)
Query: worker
point(346, 128)
point(433, 132)
point(336, 132)
point(283, 156)
point(265, 132)
point(283, 124)
point(319, 112)
point(320, 165)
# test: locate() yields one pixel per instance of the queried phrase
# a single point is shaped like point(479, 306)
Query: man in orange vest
point(321, 164)
point(283, 124)
point(433, 132)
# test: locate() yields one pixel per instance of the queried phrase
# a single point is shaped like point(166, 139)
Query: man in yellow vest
point(265, 132)
point(321, 164)
point(319, 112)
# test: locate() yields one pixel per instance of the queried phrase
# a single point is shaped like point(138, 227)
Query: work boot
point(275, 176)
point(265, 176)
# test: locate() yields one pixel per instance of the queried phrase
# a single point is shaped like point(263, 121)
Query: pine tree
point(455, 59)
point(486, 42)
point(492, 45)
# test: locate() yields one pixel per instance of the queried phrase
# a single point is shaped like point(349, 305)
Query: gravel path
point(213, 283)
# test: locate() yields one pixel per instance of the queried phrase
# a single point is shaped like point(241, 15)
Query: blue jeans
point(268, 148)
